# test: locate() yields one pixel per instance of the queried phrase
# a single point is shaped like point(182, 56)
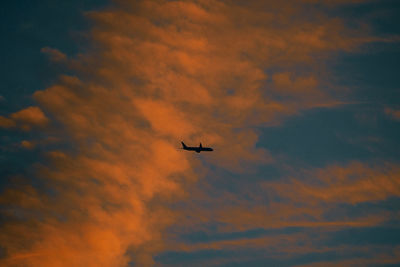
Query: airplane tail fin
point(183, 145)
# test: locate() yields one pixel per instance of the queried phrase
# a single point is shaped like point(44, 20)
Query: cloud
point(302, 85)
point(353, 184)
point(27, 144)
point(395, 114)
point(388, 257)
point(6, 122)
point(297, 218)
point(161, 72)
point(54, 54)
point(25, 119)
point(30, 116)
point(306, 199)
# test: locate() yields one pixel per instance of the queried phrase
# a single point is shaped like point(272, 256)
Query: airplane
point(197, 149)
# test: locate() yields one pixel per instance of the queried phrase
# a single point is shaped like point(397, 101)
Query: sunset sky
point(300, 100)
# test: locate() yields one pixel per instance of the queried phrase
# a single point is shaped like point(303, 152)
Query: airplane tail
point(183, 145)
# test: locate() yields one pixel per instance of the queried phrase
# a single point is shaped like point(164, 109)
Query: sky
point(299, 99)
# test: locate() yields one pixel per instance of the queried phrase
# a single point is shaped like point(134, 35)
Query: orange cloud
point(354, 183)
point(160, 115)
point(395, 114)
point(303, 202)
point(302, 85)
point(391, 257)
point(27, 144)
point(54, 54)
point(160, 72)
point(31, 116)
point(25, 119)
point(6, 122)
point(305, 199)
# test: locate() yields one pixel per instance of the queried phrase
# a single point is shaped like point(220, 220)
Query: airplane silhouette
point(197, 149)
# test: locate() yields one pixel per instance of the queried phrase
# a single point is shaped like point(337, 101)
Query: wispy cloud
point(354, 183)
point(292, 218)
point(160, 72)
point(25, 119)
point(54, 54)
point(394, 113)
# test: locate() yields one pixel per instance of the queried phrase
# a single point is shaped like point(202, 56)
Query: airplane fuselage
point(197, 149)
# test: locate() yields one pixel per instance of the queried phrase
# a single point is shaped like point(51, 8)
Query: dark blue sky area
point(359, 130)
point(27, 26)
point(322, 136)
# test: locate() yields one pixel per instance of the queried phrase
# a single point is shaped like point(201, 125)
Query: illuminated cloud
point(54, 54)
point(354, 183)
point(395, 114)
point(388, 257)
point(161, 72)
point(30, 116)
point(304, 199)
point(27, 144)
point(6, 123)
point(25, 119)
point(293, 218)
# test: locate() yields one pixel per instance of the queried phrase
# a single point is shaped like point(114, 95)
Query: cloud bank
point(156, 73)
